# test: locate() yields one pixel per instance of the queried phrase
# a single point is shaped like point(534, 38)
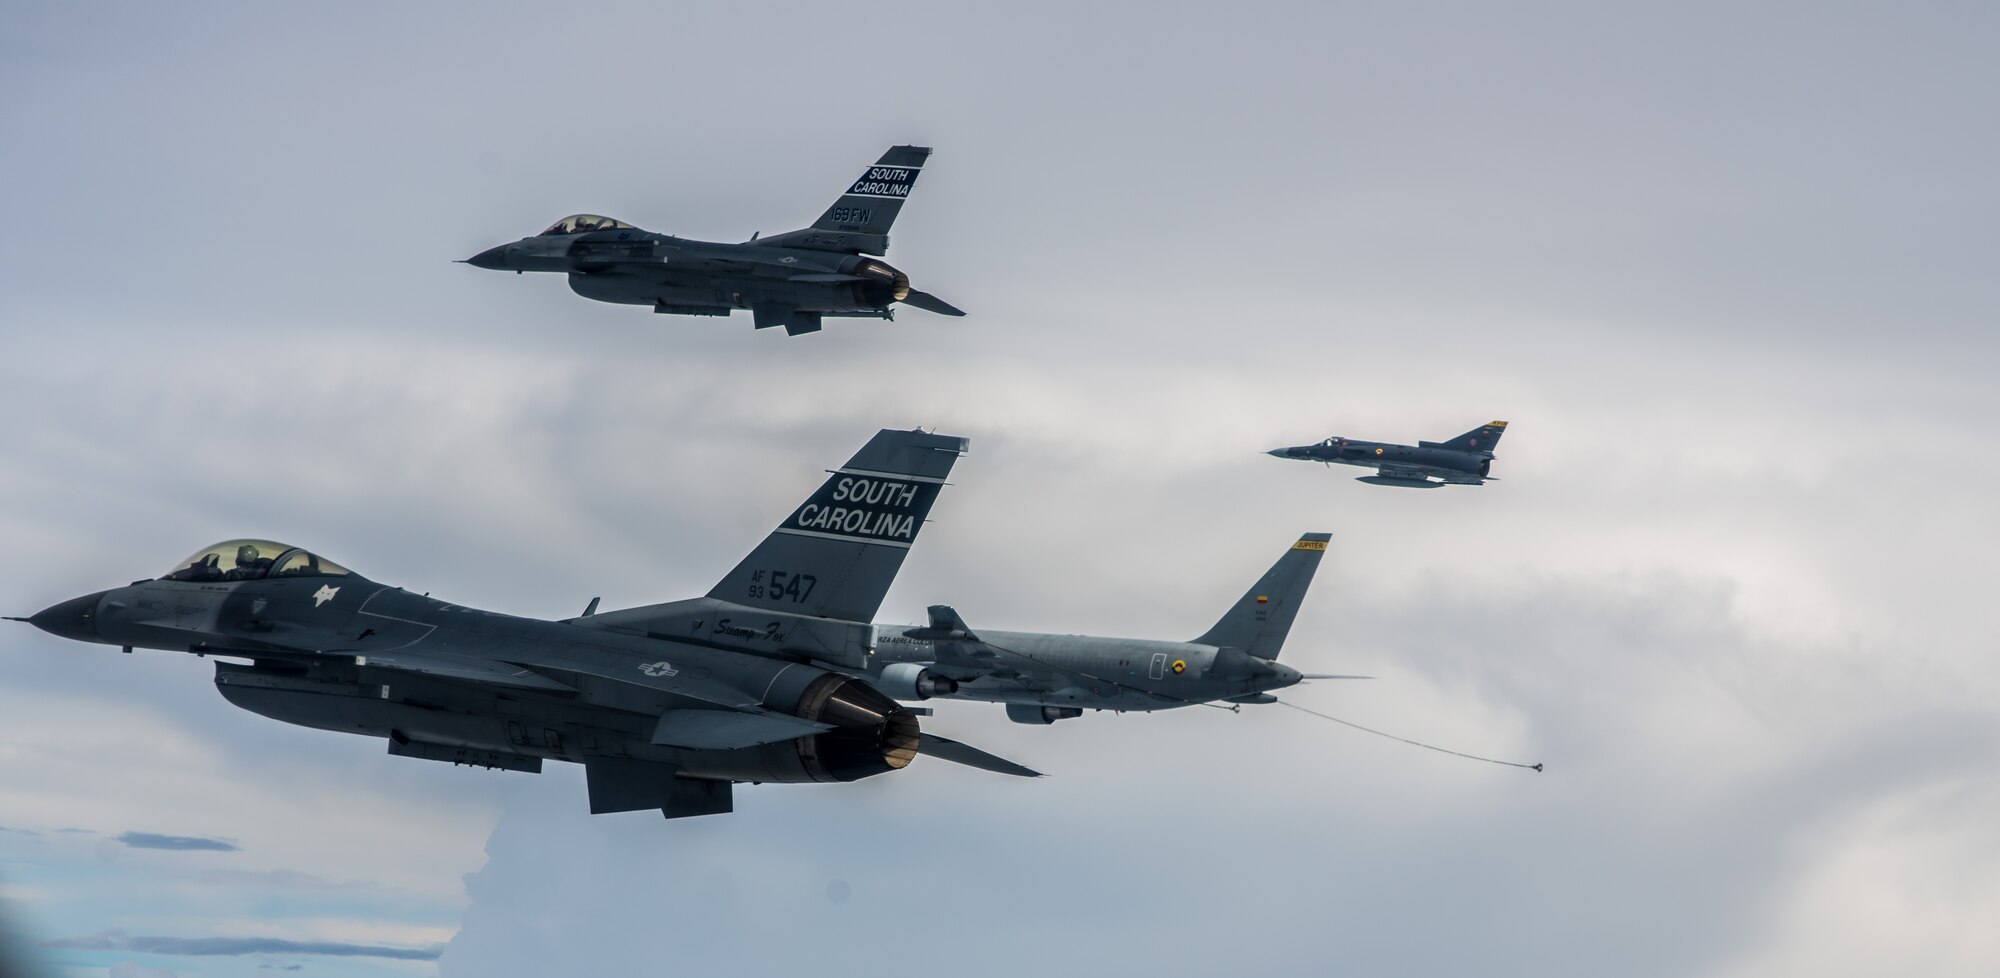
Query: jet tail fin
point(858, 223)
point(837, 554)
point(1258, 622)
point(1480, 439)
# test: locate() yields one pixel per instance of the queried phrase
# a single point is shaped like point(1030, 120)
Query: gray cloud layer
point(1727, 269)
point(236, 946)
point(182, 843)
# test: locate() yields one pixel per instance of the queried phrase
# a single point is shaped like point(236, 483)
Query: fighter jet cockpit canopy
point(250, 560)
point(579, 223)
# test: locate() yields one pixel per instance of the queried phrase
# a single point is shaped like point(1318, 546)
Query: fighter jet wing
point(441, 665)
point(1404, 472)
point(490, 671)
point(641, 263)
point(958, 653)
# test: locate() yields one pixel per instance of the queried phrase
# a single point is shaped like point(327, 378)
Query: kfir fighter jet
point(1044, 677)
point(665, 706)
point(1462, 461)
point(794, 279)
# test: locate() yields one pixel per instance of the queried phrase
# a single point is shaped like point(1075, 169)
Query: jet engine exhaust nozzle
point(871, 734)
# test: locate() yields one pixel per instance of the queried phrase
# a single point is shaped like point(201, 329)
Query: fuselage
point(1375, 454)
point(351, 655)
point(1085, 671)
point(682, 275)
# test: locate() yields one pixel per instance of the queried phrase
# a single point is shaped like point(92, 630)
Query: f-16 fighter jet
point(794, 279)
point(665, 706)
point(1045, 677)
point(1462, 461)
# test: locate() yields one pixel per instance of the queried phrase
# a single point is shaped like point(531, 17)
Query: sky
point(1726, 269)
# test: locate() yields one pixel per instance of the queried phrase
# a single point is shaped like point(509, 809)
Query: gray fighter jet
point(1045, 677)
point(665, 705)
point(1462, 461)
point(794, 279)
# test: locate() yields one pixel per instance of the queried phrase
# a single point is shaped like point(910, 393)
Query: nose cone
point(494, 258)
point(73, 619)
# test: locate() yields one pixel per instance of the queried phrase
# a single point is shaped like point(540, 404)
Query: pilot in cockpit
point(249, 565)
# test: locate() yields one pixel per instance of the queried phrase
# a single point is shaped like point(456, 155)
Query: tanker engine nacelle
point(1043, 715)
point(912, 681)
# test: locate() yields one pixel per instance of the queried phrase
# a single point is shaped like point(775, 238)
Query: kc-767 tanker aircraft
point(1045, 677)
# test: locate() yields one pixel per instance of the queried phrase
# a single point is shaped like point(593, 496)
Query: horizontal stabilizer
point(930, 303)
point(932, 745)
point(721, 730)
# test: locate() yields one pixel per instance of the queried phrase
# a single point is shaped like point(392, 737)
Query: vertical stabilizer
point(837, 554)
point(1480, 439)
point(1258, 621)
point(872, 201)
point(858, 223)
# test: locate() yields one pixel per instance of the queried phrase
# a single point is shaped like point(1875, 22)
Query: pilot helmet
point(246, 555)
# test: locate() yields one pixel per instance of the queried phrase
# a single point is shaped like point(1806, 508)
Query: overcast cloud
point(1729, 272)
